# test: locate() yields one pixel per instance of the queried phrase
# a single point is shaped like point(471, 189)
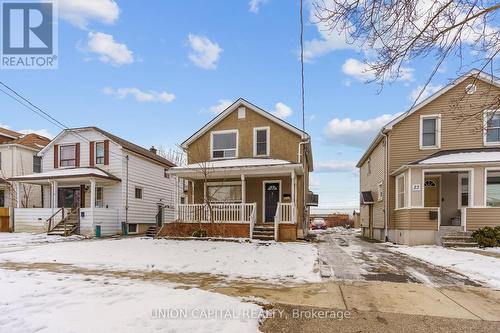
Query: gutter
point(386, 178)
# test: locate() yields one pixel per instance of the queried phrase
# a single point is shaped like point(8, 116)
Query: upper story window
point(261, 141)
point(430, 126)
point(37, 164)
point(68, 155)
point(380, 190)
point(138, 193)
point(492, 127)
point(99, 153)
point(400, 191)
point(224, 144)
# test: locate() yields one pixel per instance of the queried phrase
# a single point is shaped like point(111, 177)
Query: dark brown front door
point(69, 197)
point(271, 199)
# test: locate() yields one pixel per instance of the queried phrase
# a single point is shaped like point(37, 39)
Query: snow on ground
point(341, 230)
point(48, 302)
point(266, 261)
point(20, 240)
point(475, 266)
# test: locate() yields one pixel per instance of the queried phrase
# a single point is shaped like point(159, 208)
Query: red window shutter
point(91, 153)
point(106, 152)
point(77, 155)
point(56, 156)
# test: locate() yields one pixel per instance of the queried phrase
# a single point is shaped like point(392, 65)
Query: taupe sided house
point(250, 171)
point(430, 171)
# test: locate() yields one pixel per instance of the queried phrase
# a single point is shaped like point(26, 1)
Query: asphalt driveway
point(347, 256)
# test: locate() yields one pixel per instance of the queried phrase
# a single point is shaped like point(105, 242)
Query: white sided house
point(97, 184)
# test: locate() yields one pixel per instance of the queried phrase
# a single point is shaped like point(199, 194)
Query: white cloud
point(140, 96)
point(80, 12)
point(429, 90)
point(204, 52)
point(221, 106)
point(357, 133)
point(108, 49)
point(43, 132)
point(362, 71)
point(254, 5)
point(281, 110)
point(336, 166)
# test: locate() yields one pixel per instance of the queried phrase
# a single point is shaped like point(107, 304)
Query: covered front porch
point(456, 192)
point(258, 199)
point(84, 198)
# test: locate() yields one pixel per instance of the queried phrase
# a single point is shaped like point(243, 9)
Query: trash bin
point(98, 231)
point(124, 228)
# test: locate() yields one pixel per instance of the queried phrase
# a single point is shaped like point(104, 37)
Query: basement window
point(132, 228)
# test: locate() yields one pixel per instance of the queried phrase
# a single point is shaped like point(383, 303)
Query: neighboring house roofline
point(491, 79)
point(9, 133)
point(127, 145)
point(233, 107)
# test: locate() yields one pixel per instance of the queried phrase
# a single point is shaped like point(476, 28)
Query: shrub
point(199, 233)
point(487, 236)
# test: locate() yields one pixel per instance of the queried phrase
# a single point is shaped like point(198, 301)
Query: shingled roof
point(31, 140)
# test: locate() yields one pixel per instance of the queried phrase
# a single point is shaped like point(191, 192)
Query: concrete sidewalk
point(404, 298)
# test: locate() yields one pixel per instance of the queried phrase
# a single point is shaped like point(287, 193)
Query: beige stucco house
point(436, 168)
point(248, 176)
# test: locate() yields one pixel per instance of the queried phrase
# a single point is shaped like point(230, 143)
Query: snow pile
point(475, 266)
point(263, 261)
point(47, 302)
point(19, 240)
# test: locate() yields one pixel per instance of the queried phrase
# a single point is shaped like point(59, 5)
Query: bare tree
point(173, 154)
point(398, 31)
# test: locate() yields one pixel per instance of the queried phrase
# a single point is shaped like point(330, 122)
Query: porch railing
point(220, 213)
point(285, 213)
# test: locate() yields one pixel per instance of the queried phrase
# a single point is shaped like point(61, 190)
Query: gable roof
point(121, 142)
point(9, 133)
point(31, 140)
point(389, 126)
point(241, 102)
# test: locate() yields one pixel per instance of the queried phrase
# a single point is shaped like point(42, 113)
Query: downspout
point(303, 162)
point(386, 186)
point(126, 191)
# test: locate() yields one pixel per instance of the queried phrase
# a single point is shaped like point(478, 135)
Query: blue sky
point(153, 72)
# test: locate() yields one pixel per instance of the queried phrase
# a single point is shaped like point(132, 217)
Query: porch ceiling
point(68, 175)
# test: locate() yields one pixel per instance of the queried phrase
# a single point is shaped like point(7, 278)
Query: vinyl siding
point(482, 217)
point(155, 189)
point(283, 142)
point(369, 182)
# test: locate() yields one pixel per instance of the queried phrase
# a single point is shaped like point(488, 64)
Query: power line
point(43, 114)
point(302, 67)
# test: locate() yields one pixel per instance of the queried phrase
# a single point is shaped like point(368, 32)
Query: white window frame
point(136, 229)
point(268, 141)
point(60, 155)
point(223, 132)
point(404, 191)
point(438, 131)
point(102, 197)
point(221, 184)
point(485, 128)
point(380, 190)
point(460, 177)
point(95, 152)
point(485, 185)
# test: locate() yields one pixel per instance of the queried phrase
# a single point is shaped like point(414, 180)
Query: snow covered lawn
point(475, 266)
point(265, 261)
point(47, 302)
point(20, 240)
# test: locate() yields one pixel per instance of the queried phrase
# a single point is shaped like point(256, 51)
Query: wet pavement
point(350, 257)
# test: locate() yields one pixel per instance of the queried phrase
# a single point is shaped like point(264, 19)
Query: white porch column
point(54, 194)
point(293, 194)
point(243, 198)
point(18, 195)
point(192, 191)
point(92, 196)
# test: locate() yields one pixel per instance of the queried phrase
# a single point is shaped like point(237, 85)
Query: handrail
point(253, 218)
point(277, 220)
point(64, 219)
point(51, 217)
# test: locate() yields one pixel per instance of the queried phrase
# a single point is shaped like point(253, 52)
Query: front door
point(271, 199)
point(69, 197)
point(432, 197)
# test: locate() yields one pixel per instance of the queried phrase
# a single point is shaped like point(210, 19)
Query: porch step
point(459, 244)
point(60, 230)
point(263, 232)
point(152, 231)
